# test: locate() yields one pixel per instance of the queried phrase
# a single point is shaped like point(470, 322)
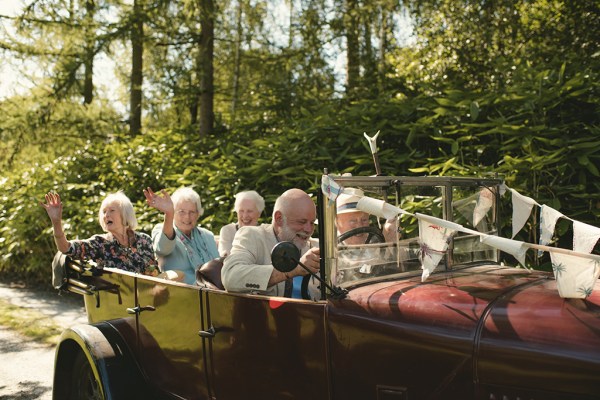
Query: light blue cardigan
point(186, 257)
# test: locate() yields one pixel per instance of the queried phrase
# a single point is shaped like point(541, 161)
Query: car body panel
point(534, 339)
point(270, 345)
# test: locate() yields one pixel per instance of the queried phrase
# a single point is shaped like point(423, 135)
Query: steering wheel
point(374, 234)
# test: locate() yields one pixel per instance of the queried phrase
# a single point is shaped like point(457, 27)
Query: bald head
point(291, 199)
point(294, 216)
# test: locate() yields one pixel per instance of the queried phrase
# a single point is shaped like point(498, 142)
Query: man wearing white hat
point(350, 217)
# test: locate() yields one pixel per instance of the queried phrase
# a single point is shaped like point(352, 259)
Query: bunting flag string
point(585, 236)
point(576, 271)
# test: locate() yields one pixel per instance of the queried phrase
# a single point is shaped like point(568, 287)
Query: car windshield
point(373, 250)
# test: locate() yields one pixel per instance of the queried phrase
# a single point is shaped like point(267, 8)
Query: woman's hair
point(125, 207)
point(187, 194)
point(256, 198)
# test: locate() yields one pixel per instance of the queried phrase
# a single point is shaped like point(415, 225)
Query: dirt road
point(26, 367)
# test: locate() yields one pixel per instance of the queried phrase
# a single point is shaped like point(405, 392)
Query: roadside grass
point(30, 323)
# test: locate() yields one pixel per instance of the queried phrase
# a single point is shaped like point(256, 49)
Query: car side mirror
point(285, 256)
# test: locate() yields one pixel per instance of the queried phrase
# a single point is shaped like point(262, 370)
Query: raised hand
point(161, 201)
point(53, 207)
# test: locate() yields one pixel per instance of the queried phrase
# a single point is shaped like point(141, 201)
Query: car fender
point(109, 358)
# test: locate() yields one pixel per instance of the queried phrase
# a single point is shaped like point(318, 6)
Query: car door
point(170, 349)
point(266, 347)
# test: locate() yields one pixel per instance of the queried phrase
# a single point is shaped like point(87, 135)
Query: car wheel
point(84, 385)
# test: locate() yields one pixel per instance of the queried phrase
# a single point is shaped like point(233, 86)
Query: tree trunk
point(88, 62)
point(369, 64)
point(352, 48)
point(383, 44)
point(237, 60)
point(137, 76)
point(205, 67)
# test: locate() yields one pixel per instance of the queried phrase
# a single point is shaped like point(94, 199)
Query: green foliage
point(508, 88)
point(39, 128)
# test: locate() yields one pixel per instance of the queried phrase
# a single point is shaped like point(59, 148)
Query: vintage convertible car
point(474, 329)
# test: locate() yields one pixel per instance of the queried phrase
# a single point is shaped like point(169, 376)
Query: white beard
point(287, 234)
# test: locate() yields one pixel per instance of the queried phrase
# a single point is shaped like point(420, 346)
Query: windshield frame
point(388, 187)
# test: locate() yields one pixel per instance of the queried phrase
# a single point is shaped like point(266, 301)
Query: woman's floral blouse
point(107, 252)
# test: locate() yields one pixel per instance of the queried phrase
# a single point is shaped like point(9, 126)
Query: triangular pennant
point(446, 224)
point(378, 207)
point(502, 188)
point(433, 240)
point(330, 188)
point(514, 247)
point(584, 237)
point(522, 206)
point(548, 218)
point(485, 201)
point(575, 276)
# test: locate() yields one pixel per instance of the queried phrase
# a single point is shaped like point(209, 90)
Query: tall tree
point(137, 65)
point(351, 27)
point(237, 60)
point(61, 35)
point(89, 52)
point(205, 67)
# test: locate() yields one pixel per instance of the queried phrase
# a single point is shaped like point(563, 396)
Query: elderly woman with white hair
point(179, 243)
point(120, 247)
point(249, 206)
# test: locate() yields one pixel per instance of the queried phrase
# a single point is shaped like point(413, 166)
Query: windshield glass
point(369, 247)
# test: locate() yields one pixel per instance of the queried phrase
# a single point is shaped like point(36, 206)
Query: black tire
point(84, 385)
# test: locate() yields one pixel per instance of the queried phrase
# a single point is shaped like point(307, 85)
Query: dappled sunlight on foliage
point(508, 88)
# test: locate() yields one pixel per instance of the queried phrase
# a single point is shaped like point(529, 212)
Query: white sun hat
point(347, 201)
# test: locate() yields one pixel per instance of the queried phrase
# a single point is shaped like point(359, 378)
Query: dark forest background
point(228, 96)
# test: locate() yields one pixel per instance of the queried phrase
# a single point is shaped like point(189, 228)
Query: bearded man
point(248, 267)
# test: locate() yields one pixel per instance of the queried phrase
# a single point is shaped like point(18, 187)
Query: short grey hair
point(252, 195)
point(187, 194)
point(125, 208)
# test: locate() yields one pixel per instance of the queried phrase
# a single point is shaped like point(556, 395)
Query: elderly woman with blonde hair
point(120, 247)
point(249, 205)
point(179, 243)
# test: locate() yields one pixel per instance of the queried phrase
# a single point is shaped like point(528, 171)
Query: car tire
point(84, 384)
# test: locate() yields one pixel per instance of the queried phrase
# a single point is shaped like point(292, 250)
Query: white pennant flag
point(584, 237)
point(522, 206)
point(514, 247)
point(575, 276)
point(503, 188)
point(330, 188)
point(484, 203)
point(446, 224)
point(548, 218)
point(433, 240)
point(378, 207)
